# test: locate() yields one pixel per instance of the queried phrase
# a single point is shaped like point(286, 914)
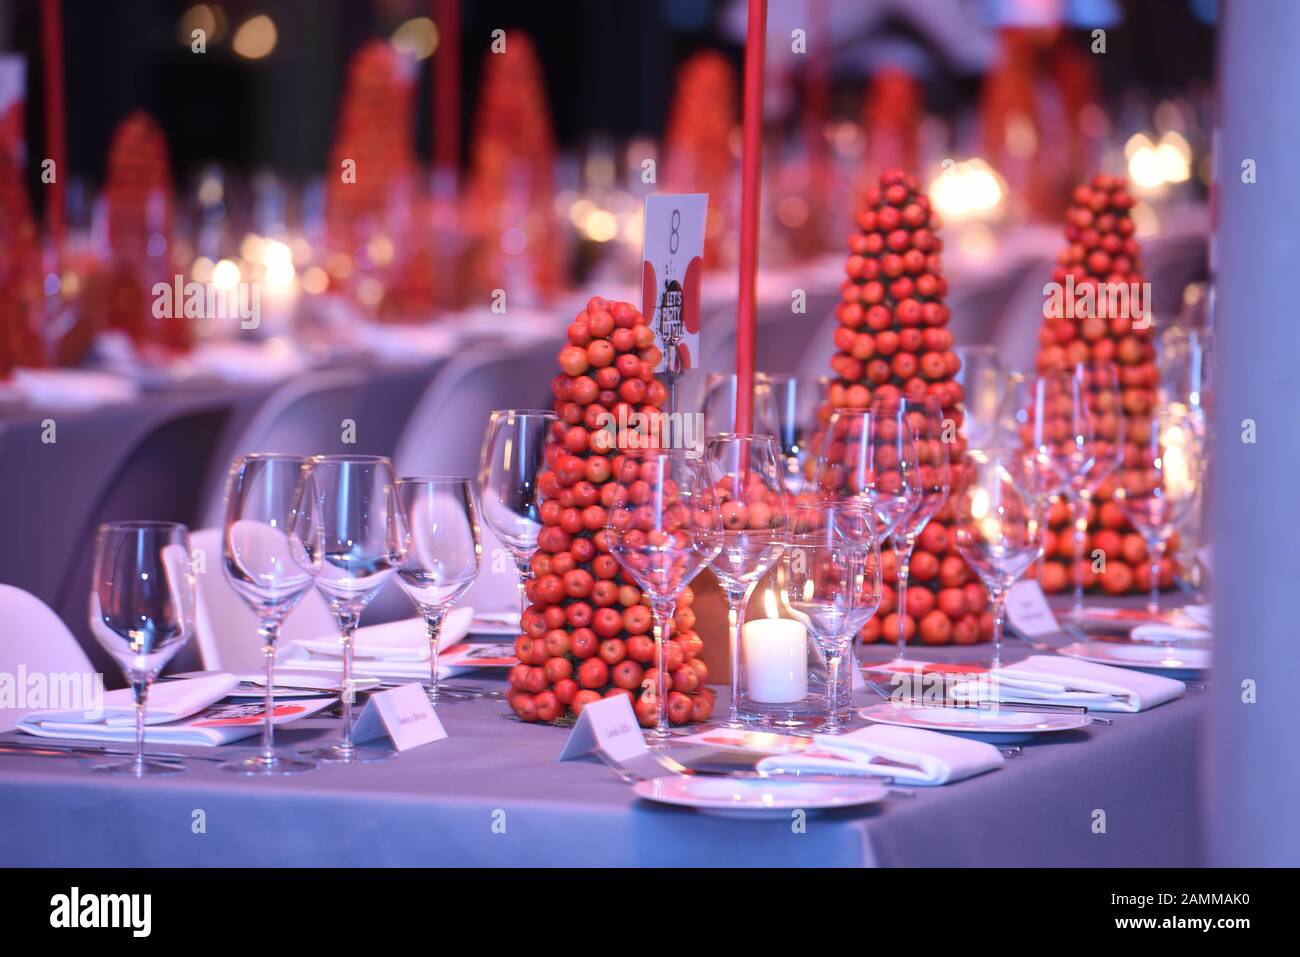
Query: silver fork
point(1033, 708)
point(673, 766)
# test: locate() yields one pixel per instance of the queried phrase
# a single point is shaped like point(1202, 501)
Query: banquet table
point(493, 793)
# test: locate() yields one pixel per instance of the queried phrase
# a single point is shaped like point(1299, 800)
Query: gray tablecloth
point(437, 805)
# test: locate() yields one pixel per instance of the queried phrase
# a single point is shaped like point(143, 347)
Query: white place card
point(403, 714)
point(607, 725)
point(671, 269)
point(1028, 611)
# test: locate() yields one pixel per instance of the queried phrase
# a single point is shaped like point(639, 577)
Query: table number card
point(1028, 611)
point(607, 725)
point(671, 269)
point(402, 714)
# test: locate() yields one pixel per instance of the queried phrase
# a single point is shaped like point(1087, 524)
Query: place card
point(671, 268)
point(1028, 611)
point(403, 714)
point(609, 726)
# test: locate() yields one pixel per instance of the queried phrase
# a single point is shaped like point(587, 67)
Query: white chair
point(226, 628)
point(35, 643)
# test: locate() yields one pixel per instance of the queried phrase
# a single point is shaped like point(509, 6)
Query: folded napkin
point(1052, 679)
point(72, 388)
point(239, 362)
point(394, 641)
point(908, 755)
point(1170, 635)
point(184, 712)
point(1202, 615)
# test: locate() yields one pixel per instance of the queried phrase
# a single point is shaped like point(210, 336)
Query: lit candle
point(776, 660)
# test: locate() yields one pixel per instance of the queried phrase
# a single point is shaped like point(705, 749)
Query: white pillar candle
point(776, 660)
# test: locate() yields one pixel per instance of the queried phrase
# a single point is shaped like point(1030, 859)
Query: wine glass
point(662, 527)
point(795, 400)
point(719, 406)
point(1049, 415)
point(142, 612)
point(983, 383)
point(918, 420)
point(1159, 489)
point(258, 557)
point(348, 525)
point(440, 553)
point(514, 453)
point(753, 507)
point(1099, 384)
point(999, 522)
point(872, 462)
point(831, 570)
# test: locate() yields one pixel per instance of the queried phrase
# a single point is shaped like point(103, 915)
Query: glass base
point(260, 766)
point(150, 768)
point(338, 754)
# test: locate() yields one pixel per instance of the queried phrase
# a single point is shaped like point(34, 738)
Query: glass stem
point(270, 632)
point(140, 691)
point(433, 625)
point(833, 692)
point(347, 629)
point(999, 619)
point(1157, 550)
point(662, 615)
point(1079, 505)
point(903, 553)
point(736, 620)
point(525, 575)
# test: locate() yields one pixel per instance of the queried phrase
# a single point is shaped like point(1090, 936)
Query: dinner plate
point(1154, 657)
point(977, 721)
point(757, 798)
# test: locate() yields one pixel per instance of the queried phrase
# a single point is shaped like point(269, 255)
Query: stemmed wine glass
point(754, 510)
point(832, 582)
point(918, 421)
point(1160, 489)
point(795, 401)
point(1099, 384)
point(440, 553)
point(142, 612)
point(867, 460)
point(258, 557)
point(719, 405)
point(662, 527)
point(514, 453)
point(999, 522)
point(1049, 415)
point(983, 384)
point(348, 526)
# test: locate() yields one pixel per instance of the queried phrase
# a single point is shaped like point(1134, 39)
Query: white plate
point(1156, 657)
point(751, 798)
point(1007, 720)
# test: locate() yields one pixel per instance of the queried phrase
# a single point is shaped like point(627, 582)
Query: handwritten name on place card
point(404, 715)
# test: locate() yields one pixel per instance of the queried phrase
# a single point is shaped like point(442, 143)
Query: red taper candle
point(446, 85)
point(56, 142)
point(751, 165)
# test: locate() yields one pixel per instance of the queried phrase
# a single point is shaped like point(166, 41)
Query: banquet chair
point(305, 416)
point(225, 628)
point(35, 640)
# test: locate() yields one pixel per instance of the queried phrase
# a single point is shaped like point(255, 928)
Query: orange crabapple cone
point(893, 341)
point(588, 632)
point(1102, 253)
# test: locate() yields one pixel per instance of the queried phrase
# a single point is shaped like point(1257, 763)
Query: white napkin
point(236, 361)
point(393, 641)
point(1202, 615)
point(168, 701)
point(72, 388)
point(1052, 679)
point(407, 343)
point(908, 755)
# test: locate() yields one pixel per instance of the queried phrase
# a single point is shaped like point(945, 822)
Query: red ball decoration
point(587, 632)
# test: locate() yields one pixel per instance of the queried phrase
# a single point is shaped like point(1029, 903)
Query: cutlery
point(95, 750)
point(674, 766)
point(1023, 706)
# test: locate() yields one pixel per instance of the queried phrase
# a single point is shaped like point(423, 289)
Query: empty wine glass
point(1158, 491)
point(870, 461)
point(514, 453)
point(719, 406)
point(983, 383)
point(999, 523)
point(753, 507)
point(919, 421)
point(347, 523)
point(1049, 415)
point(831, 571)
point(1099, 383)
point(258, 558)
point(662, 527)
point(142, 612)
point(795, 401)
point(440, 553)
